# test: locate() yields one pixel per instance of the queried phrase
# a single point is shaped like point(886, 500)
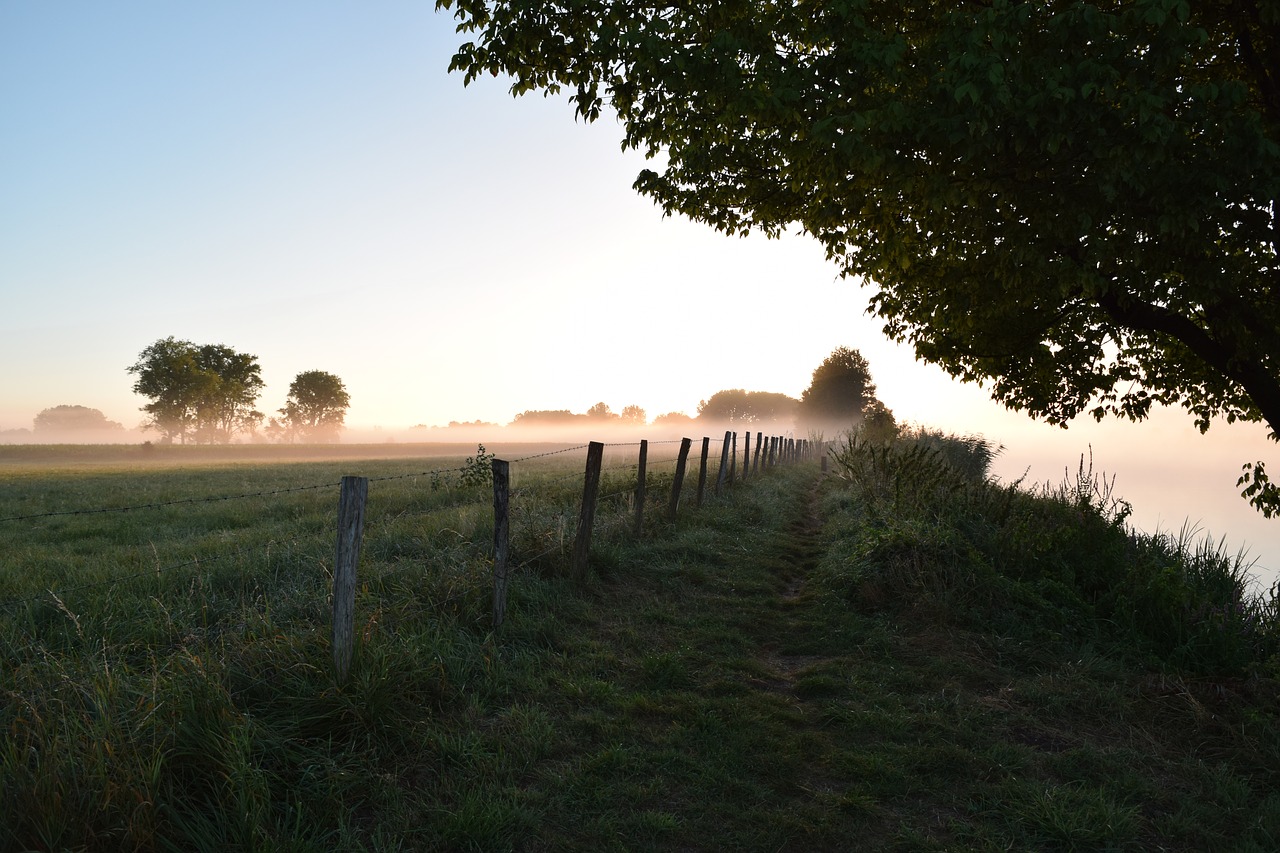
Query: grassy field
point(895, 656)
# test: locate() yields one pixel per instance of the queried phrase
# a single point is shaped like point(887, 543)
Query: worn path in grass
point(696, 695)
point(693, 690)
point(711, 690)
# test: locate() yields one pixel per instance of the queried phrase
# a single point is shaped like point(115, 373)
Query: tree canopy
point(316, 407)
point(736, 406)
point(1074, 203)
point(546, 417)
point(200, 393)
point(839, 392)
point(74, 419)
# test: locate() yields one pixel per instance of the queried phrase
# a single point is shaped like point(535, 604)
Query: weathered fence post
point(759, 444)
point(501, 537)
point(773, 450)
point(746, 454)
point(678, 483)
point(587, 515)
point(351, 500)
point(724, 462)
point(640, 485)
point(733, 460)
point(702, 472)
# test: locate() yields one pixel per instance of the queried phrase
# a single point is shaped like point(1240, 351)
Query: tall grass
point(743, 677)
point(941, 534)
point(167, 677)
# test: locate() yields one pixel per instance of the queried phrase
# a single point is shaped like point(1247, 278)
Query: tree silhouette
point(1073, 203)
point(316, 407)
point(839, 393)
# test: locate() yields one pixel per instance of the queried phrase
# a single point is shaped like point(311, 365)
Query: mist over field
point(1145, 464)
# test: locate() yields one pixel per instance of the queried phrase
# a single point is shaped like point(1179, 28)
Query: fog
point(1173, 477)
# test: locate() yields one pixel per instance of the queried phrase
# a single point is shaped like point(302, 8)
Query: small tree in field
point(634, 415)
point(316, 408)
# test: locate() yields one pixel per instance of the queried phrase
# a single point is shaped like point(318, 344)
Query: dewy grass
point(920, 662)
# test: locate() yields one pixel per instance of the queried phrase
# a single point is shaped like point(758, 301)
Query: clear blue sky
point(306, 182)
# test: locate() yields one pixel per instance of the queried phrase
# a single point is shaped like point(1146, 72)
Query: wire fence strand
point(563, 523)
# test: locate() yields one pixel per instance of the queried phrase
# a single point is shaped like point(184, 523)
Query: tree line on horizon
point(841, 394)
point(206, 394)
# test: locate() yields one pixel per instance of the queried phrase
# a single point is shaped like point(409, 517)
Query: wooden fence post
point(587, 515)
point(759, 444)
point(501, 537)
point(702, 472)
point(746, 454)
point(678, 483)
point(724, 462)
point(640, 486)
point(351, 500)
point(733, 460)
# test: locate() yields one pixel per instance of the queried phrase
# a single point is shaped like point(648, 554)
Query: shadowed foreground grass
point(802, 664)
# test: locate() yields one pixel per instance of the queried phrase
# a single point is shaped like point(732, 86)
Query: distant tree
point(601, 411)
point(878, 423)
point(673, 419)
point(74, 419)
point(736, 406)
point(228, 410)
point(167, 373)
point(202, 393)
point(546, 417)
point(634, 415)
point(839, 393)
point(316, 407)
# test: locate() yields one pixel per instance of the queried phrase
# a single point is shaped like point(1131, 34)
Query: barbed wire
point(434, 473)
point(549, 453)
point(206, 561)
point(576, 475)
point(294, 489)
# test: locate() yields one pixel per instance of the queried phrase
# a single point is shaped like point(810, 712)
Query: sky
point(307, 182)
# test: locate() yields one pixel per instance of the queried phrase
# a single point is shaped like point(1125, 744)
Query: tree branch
point(1263, 389)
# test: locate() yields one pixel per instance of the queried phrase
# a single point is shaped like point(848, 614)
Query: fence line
point(352, 514)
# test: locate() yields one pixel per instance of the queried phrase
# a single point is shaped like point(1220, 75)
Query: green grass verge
point(798, 665)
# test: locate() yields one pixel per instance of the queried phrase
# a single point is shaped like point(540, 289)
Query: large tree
point(203, 393)
point(229, 407)
point(1074, 203)
point(316, 407)
point(839, 392)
